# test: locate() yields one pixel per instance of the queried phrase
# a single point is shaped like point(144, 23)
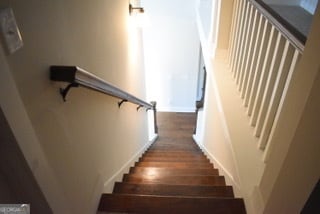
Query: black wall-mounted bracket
point(140, 106)
point(64, 91)
point(121, 102)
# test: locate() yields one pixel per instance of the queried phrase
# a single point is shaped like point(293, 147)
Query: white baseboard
point(222, 170)
point(109, 184)
point(175, 109)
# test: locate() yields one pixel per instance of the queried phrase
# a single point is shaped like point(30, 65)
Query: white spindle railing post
point(261, 103)
point(243, 44)
point(239, 38)
point(271, 51)
point(249, 57)
point(236, 34)
point(257, 72)
point(260, 57)
point(253, 62)
point(246, 47)
point(287, 63)
point(244, 33)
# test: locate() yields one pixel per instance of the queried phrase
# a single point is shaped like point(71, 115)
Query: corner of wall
point(20, 123)
point(255, 202)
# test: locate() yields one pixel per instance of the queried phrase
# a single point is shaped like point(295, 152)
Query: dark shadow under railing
point(76, 77)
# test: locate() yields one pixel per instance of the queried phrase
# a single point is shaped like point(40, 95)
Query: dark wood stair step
point(176, 179)
point(173, 190)
point(174, 159)
point(172, 155)
point(176, 148)
point(182, 141)
point(172, 171)
point(175, 164)
point(170, 204)
point(176, 152)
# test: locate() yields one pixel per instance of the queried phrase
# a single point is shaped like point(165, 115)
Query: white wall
point(205, 13)
point(171, 47)
point(76, 148)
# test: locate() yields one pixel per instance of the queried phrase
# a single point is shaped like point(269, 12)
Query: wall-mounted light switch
point(9, 30)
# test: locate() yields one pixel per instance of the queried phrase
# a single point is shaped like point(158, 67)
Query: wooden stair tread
point(176, 179)
point(173, 155)
point(172, 171)
point(173, 190)
point(175, 164)
point(173, 176)
point(174, 159)
point(174, 152)
point(170, 204)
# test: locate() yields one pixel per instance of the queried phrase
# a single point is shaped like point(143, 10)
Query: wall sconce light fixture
point(135, 9)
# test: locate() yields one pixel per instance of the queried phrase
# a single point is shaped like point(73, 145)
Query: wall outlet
point(10, 31)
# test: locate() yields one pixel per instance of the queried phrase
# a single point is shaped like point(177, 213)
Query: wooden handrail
point(200, 103)
point(77, 76)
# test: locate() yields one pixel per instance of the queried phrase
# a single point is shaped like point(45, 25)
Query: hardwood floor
point(173, 176)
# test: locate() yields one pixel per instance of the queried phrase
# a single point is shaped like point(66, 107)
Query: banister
point(77, 76)
point(296, 38)
point(262, 60)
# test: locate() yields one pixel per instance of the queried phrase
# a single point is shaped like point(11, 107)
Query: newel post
point(154, 104)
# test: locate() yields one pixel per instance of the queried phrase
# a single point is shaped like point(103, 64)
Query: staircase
point(173, 176)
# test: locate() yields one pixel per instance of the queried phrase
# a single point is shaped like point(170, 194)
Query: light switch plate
point(10, 31)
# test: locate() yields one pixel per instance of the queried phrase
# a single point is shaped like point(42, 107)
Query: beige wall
point(294, 163)
point(216, 139)
point(227, 138)
point(225, 20)
point(300, 170)
point(279, 179)
point(86, 140)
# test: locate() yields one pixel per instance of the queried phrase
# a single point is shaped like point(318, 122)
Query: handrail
point(296, 38)
point(200, 103)
point(77, 76)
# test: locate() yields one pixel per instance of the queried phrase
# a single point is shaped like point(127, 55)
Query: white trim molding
point(109, 184)
point(228, 176)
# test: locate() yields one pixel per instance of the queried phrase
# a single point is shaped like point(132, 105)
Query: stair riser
point(168, 205)
point(173, 190)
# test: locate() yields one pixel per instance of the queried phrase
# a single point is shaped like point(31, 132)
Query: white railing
point(262, 57)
